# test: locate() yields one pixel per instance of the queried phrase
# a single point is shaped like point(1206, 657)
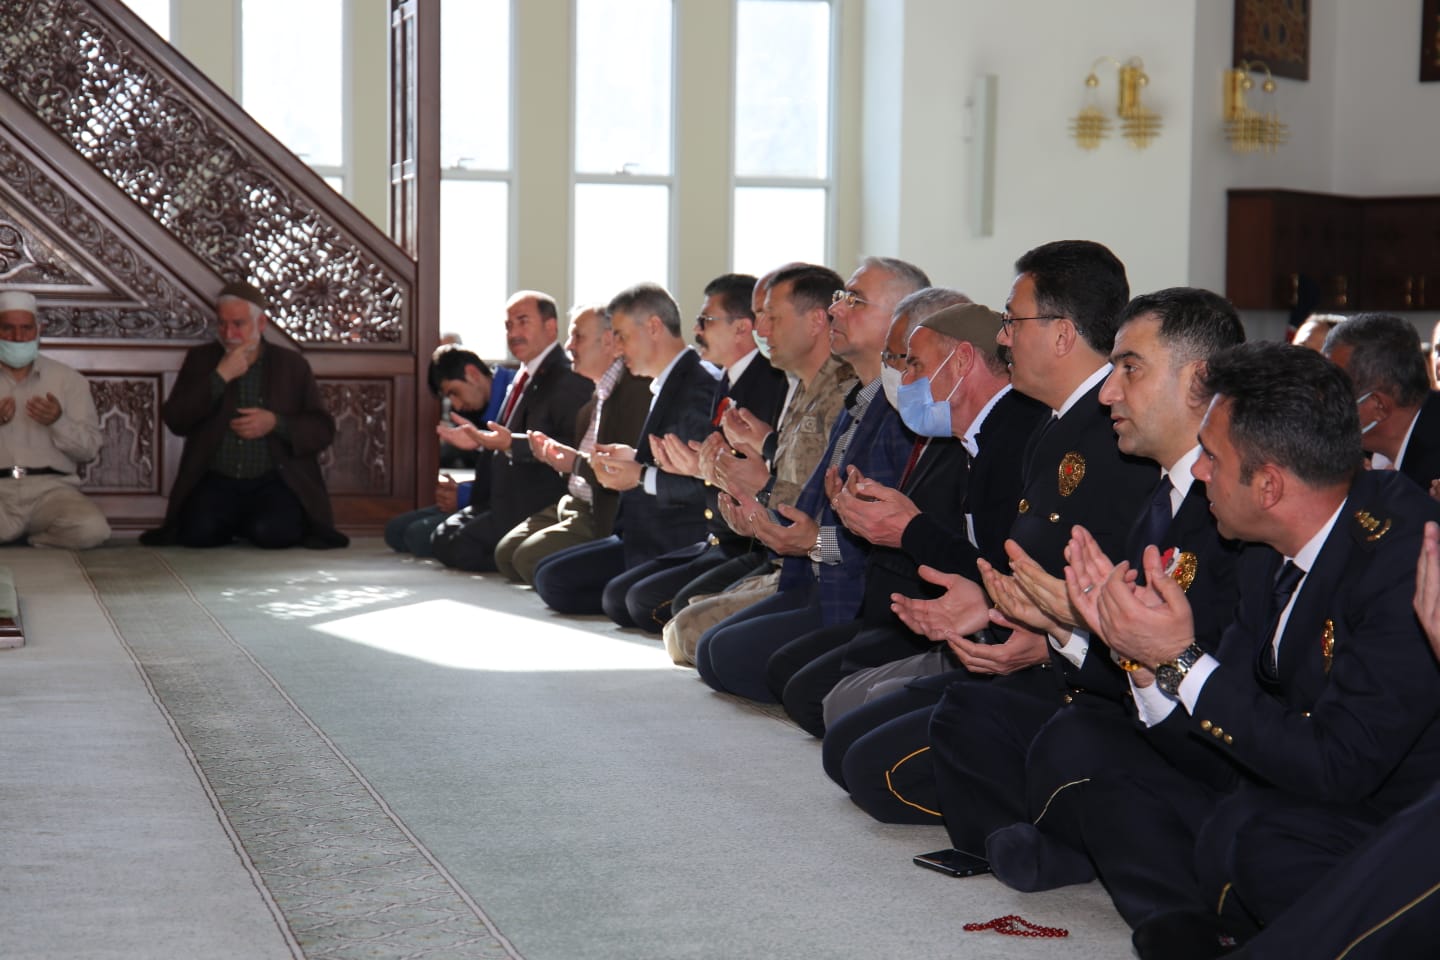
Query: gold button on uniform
point(709, 514)
point(1229, 739)
point(1054, 518)
point(1206, 725)
point(1024, 506)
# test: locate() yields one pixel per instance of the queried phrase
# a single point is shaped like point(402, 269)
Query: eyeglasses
point(703, 321)
point(1007, 322)
point(851, 300)
point(892, 359)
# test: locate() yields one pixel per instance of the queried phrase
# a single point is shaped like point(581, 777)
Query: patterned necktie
point(514, 397)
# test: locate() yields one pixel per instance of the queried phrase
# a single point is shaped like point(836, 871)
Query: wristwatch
point(1169, 675)
point(814, 554)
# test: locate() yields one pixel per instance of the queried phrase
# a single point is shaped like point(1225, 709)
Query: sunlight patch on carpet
point(490, 640)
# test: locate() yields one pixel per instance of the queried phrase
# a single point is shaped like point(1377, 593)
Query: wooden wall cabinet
point(1285, 248)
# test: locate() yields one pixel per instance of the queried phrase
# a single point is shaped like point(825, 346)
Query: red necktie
point(915, 452)
point(720, 409)
point(514, 397)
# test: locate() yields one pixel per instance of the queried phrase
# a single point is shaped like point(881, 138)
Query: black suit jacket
point(674, 516)
point(1353, 720)
point(761, 390)
point(992, 490)
point(621, 418)
point(519, 484)
point(1421, 462)
point(938, 486)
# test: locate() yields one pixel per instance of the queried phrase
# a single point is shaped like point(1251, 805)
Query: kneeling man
point(47, 427)
point(254, 426)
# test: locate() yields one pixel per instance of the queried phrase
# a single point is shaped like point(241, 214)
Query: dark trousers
point(803, 671)
point(649, 588)
point(466, 540)
point(716, 579)
point(1382, 902)
point(980, 734)
point(575, 580)
point(410, 532)
point(262, 510)
point(731, 656)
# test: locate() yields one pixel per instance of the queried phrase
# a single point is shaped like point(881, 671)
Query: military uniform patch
point(1072, 471)
point(1327, 642)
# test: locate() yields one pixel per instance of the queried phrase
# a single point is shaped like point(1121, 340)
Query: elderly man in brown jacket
point(254, 426)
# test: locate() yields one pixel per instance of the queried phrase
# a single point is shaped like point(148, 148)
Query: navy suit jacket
point(1353, 720)
point(1110, 484)
point(674, 515)
point(1212, 593)
point(880, 448)
point(1421, 462)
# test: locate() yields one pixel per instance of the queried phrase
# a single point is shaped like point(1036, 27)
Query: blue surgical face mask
point(762, 344)
point(19, 354)
point(924, 415)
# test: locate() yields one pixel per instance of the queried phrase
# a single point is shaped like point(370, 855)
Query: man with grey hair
point(48, 427)
point(254, 426)
point(1399, 416)
point(658, 511)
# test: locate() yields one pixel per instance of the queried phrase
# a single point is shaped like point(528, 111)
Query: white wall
point(1046, 188)
point(1387, 123)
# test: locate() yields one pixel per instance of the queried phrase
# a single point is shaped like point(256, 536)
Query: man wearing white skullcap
point(48, 427)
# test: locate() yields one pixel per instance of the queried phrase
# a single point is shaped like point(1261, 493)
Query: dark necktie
point(1159, 515)
point(915, 454)
point(514, 396)
point(1285, 582)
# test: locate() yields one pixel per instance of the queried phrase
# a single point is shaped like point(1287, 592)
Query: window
point(155, 13)
point(476, 186)
point(623, 104)
point(292, 77)
point(783, 180)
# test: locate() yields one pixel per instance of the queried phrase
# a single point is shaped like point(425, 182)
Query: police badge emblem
point(1180, 566)
point(1072, 471)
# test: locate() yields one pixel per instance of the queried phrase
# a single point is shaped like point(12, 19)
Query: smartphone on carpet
point(956, 863)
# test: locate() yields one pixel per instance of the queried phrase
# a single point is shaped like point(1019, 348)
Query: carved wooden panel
point(120, 107)
point(129, 411)
point(359, 460)
point(54, 247)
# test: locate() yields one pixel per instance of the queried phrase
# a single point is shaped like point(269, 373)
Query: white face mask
point(890, 383)
point(1373, 423)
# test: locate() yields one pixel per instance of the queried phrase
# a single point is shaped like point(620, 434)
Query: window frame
point(832, 140)
point(670, 181)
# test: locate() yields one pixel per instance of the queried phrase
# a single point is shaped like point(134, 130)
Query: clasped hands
point(1148, 624)
point(43, 410)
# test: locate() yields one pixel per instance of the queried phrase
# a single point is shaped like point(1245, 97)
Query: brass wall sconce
point(1138, 124)
point(1247, 129)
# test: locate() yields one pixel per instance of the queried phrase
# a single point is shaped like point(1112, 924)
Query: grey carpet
point(412, 762)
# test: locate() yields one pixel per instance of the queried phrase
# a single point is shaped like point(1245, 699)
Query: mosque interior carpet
point(235, 753)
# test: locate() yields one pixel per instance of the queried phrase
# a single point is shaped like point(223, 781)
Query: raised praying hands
point(873, 511)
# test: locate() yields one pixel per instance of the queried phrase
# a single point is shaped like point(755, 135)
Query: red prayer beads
point(1014, 925)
